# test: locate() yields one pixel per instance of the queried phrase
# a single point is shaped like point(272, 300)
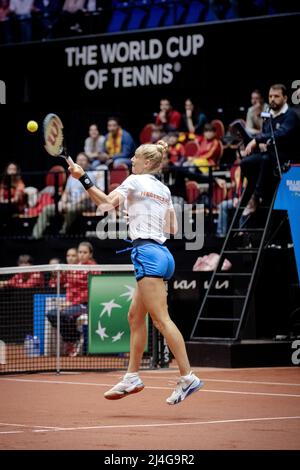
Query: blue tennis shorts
point(150, 259)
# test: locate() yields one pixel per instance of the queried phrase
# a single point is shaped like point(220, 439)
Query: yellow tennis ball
point(32, 126)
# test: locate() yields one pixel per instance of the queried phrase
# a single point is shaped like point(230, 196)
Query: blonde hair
point(154, 152)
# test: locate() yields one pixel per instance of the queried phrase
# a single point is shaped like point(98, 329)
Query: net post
point(58, 324)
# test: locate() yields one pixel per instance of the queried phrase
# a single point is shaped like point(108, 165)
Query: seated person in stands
point(76, 302)
point(71, 258)
point(232, 197)
point(48, 14)
point(157, 134)
point(168, 118)
point(94, 147)
point(24, 280)
point(5, 23)
point(176, 151)
point(209, 152)
point(54, 260)
point(71, 17)
point(192, 121)
point(22, 11)
point(260, 160)
point(119, 146)
point(73, 202)
point(53, 275)
point(254, 121)
point(12, 196)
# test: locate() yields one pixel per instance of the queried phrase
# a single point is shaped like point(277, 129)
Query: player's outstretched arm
point(102, 200)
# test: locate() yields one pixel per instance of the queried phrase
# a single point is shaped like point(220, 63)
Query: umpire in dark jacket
point(260, 157)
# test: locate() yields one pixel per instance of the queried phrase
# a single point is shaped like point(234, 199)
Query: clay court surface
point(236, 409)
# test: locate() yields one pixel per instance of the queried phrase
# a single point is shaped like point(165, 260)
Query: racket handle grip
point(70, 161)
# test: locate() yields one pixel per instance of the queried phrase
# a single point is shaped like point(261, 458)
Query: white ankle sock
point(188, 376)
point(131, 375)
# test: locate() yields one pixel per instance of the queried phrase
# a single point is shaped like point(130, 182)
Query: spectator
point(119, 145)
point(176, 150)
point(5, 24)
point(71, 16)
point(168, 118)
point(22, 10)
point(76, 302)
point(48, 13)
point(232, 198)
point(260, 161)
point(254, 121)
point(53, 275)
point(12, 196)
point(209, 150)
point(54, 261)
point(94, 146)
point(73, 202)
point(156, 134)
point(24, 280)
point(192, 121)
point(72, 256)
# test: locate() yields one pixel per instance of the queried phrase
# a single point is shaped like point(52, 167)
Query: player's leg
point(131, 382)
point(155, 300)
point(138, 331)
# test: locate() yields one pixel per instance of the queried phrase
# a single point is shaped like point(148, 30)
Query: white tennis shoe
point(185, 387)
point(127, 386)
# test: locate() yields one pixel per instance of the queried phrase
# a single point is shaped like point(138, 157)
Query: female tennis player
point(151, 215)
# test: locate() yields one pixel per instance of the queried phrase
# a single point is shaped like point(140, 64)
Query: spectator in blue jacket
point(119, 145)
point(260, 161)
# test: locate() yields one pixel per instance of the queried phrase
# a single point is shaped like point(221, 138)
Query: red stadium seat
point(118, 174)
point(145, 134)
point(112, 187)
point(192, 191)
point(219, 126)
point(191, 148)
point(50, 177)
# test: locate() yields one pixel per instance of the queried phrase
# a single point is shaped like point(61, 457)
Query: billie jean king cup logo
point(2, 92)
point(190, 219)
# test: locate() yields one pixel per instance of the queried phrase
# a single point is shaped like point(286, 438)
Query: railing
point(42, 213)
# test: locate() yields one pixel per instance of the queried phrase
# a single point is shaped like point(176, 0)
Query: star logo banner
point(110, 296)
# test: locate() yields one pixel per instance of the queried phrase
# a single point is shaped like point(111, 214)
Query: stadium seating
point(219, 126)
point(155, 16)
point(194, 12)
point(191, 148)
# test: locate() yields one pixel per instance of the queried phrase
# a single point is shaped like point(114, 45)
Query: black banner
point(220, 63)
point(89, 78)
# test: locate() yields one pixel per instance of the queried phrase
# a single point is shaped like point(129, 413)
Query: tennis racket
point(54, 138)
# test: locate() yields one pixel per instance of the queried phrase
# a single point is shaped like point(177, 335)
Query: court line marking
point(26, 426)
point(155, 425)
point(175, 376)
point(11, 432)
point(130, 426)
point(207, 379)
point(286, 395)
